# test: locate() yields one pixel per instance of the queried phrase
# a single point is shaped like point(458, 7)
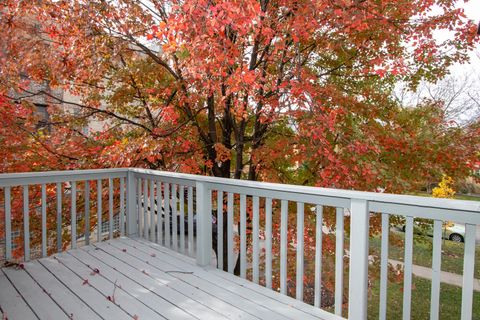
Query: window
point(43, 116)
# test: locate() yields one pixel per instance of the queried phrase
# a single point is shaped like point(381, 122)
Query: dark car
point(185, 221)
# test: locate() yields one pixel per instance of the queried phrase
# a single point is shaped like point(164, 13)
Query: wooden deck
point(135, 279)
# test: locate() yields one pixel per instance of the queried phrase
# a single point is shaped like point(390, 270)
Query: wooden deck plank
point(290, 302)
point(144, 294)
point(150, 282)
point(69, 302)
point(89, 294)
point(12, 303)
point(40, 302)
point(243, 298)
point(160, 284)
point(221, 301)
point(268, 302)
point(116, 290)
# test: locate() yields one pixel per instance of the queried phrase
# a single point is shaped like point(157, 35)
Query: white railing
point(159, 206)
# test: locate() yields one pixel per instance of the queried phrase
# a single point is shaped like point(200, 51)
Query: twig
point(178, 271)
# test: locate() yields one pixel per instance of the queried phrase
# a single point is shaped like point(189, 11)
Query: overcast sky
point(472, 11)
point(464, 76)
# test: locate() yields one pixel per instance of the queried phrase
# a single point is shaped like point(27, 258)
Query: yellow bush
point(444, 189)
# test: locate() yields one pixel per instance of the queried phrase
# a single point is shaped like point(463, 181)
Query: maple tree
point(289, 91)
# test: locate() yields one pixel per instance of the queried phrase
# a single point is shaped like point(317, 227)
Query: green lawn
point(452, 253)
point(450, 301)
point(457, 196)
point(467, 197)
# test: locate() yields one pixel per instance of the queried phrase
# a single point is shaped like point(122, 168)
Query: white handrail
point(11, 179)
point(449, 204)
point(29, 178)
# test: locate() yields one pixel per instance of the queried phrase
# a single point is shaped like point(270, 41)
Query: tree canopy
point(272, 90)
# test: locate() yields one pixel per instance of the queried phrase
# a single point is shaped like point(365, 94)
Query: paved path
point(445, 277)
point(478, 234)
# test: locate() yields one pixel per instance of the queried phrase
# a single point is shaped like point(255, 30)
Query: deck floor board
point(86, 292)
point(35, 296)
point(257, 303)
point(70, 303)
point(12, 303)
point(183, 276)
point(129, 278)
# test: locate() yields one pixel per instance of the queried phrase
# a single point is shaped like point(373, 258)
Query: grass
point(450, 301)
point(452, 253)
point(457, 196)
point(467, 197)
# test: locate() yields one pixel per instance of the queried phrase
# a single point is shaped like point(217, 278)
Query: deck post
point(204, 224)
point(131, 218)
point(358, 282)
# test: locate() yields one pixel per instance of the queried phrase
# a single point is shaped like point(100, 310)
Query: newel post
point(358, 282)
point(204, 224)
point(131, 218)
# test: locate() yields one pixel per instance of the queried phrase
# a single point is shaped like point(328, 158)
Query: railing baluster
point(26, 225)
point(145, 208)
point(73, 211)
point(166, 210)
point(231, 263)
point(255, 242)
point(139, 207)
point(339, 235)
point(174, 218)
point(318, 256)
point(159, 213)
point(268, 242)
point(132, 217)
point(436, 270)
point(283, 246)
point(99, 210)
point(243, 236)
point(110, 208)
point(384, 266)
point(300, 247)
point(59, 217)
point(468, 271)
point(152, 211)
point(87, 212)
point(190, 220)
point(182, 219)
point(220, 229)
point(358, 276)
point(122, 207)
point(407, 276)
point(44, 220)
point(8, 223)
